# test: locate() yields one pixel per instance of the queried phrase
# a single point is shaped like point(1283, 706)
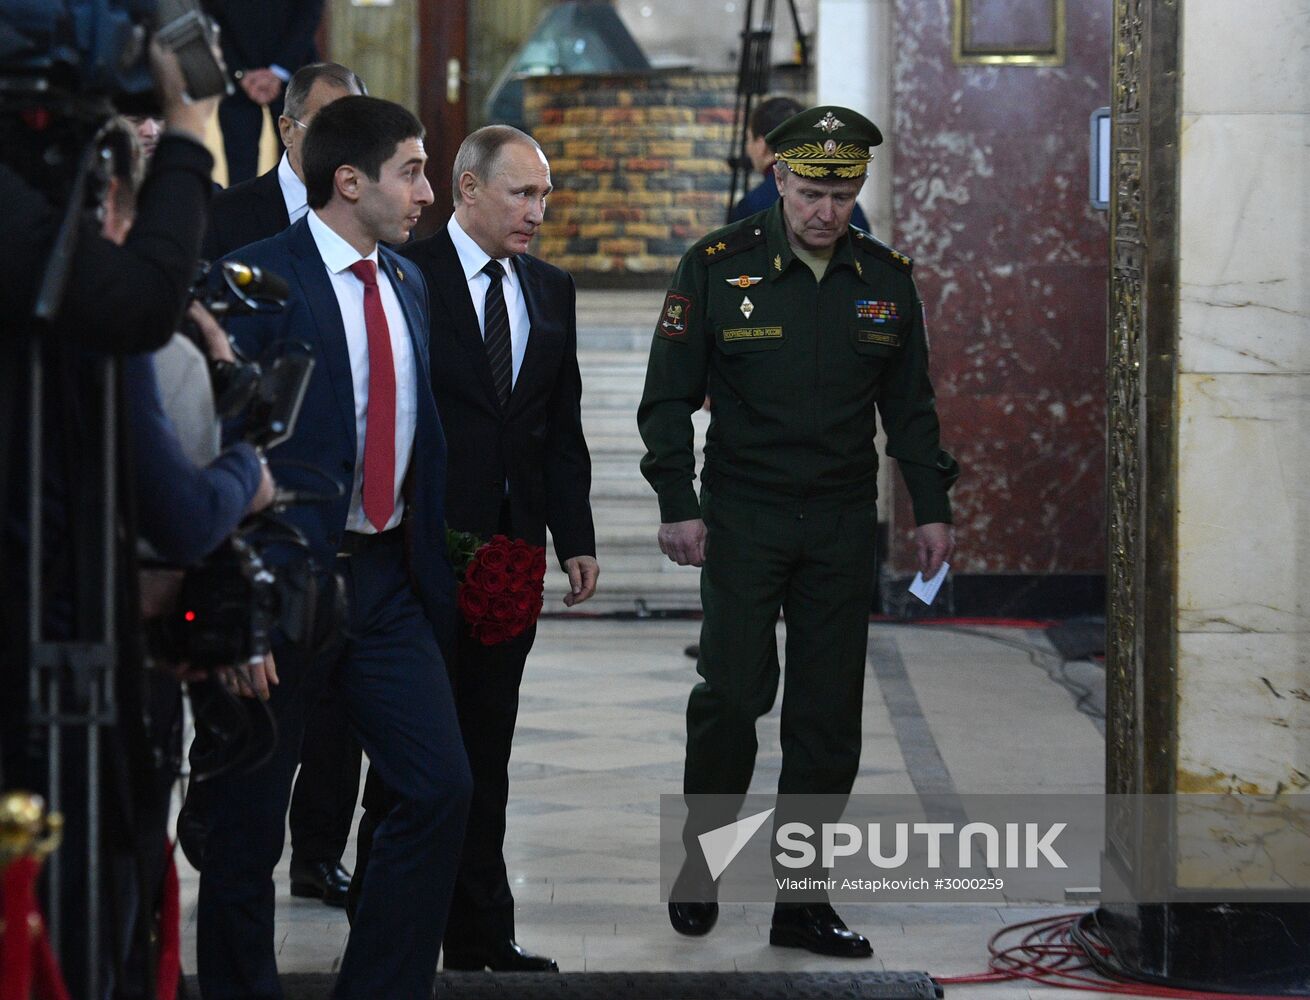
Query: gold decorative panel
point(1141, 654)
point(1009, 32)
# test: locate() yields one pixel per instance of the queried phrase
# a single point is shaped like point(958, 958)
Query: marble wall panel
point(1245, 237)
point(1244, 503)
point(991, 199)
point(1243, 711)
point(1036, 488)
point(1016, 328)
point(1246, 58)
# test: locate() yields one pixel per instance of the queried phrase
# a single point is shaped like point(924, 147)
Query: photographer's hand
point(250, 680)
point(181, 114)
point(217, 346)
point(267, 489)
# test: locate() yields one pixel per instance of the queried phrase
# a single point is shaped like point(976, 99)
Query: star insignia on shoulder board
point(710, 251)
point(901, 257)
point(829, 123)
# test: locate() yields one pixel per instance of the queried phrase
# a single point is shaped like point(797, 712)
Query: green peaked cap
point(826, 141)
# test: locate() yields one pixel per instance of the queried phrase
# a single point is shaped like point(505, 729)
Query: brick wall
point(639, 168)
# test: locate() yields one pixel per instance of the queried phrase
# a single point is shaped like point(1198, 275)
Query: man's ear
point(346, 182)
point(468, 185)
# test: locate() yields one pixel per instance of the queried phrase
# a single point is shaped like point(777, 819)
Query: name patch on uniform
point(675, 315)
point(879, 312)
point(882, 337)
point(752, 333)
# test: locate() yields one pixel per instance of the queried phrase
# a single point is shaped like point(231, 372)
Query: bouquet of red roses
point(500, 584)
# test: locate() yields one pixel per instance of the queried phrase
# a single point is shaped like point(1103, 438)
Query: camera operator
point(185, 511)
point(116, 299)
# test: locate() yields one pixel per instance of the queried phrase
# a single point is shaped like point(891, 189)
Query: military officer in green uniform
point(802, 331)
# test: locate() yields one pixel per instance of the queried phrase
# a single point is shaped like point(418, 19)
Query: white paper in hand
point(926, 590)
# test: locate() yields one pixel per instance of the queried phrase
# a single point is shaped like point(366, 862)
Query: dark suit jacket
point(244, 213)
point(325, 434)
point(535, 442)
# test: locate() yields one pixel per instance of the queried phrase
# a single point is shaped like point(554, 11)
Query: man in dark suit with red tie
point(369, 423)
point(509, 393)
point(327, 786)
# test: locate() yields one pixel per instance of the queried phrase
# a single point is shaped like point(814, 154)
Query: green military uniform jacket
point(794, 369)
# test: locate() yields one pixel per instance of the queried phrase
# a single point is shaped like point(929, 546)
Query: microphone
point(256, 283)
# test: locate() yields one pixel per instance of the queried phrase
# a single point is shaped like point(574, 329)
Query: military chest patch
point(884, 337)
point(879, 312)
point(752, 333)
point(675, 314)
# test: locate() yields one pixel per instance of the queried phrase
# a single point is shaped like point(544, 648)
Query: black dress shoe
point(693, 906)
point(503, 956)
point(325, 880)
point(817, 928)
point(693, 919)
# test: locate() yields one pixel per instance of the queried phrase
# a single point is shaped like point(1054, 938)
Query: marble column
point(1209, 633)
point(1244, 399)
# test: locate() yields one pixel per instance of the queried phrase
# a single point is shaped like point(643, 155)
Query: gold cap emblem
point(829, 123)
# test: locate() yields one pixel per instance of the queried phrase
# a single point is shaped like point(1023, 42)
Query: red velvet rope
point(27, 963)
point(170, 931)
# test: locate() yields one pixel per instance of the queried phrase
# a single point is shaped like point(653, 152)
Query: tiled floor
point(600, 738)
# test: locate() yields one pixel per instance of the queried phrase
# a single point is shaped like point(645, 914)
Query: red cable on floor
point(1049, 955)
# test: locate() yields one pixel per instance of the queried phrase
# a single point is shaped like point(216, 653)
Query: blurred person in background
point(264, 43)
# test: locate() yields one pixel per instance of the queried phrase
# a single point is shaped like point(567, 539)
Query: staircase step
point(614, 332)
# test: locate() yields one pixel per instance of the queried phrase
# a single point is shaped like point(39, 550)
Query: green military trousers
point(814, 561)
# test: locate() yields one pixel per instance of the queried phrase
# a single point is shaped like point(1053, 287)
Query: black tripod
point(71, 681)
point(753, 76)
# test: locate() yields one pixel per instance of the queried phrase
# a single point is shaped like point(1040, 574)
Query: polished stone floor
point(600, 738)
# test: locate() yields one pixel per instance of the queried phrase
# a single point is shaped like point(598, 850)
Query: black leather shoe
point(325, 880)
point(503, 956)
point(817, 928)
point(693, 906)
point(693, 919)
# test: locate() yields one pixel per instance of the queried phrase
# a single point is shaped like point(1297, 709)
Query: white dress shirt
point(337, 256)
point(293, 190)
point(473, 259)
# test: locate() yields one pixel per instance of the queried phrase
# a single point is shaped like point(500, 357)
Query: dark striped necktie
point(495, 332)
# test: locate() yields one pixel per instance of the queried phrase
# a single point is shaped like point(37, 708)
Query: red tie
point(379, 492)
